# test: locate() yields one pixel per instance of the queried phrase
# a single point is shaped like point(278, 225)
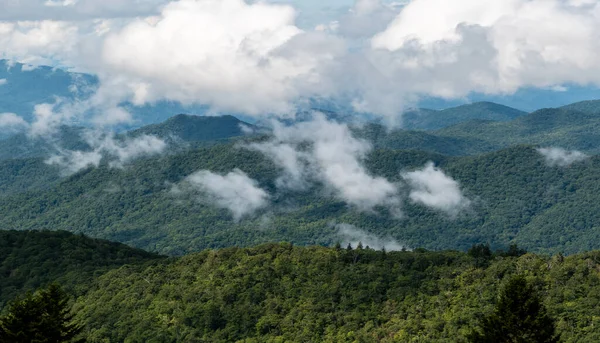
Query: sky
point(267, 58)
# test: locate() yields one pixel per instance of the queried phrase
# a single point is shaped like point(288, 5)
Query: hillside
point(190, 128)
point(547, 127)
point(29, 260)
point(282, 293)
point(426, 119)
point(516, 198)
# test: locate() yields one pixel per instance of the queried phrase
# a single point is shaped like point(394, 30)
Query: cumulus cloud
point(326, 151)
point(434, 189)
point(235, 191)
point(561, 157)
point(228, 54)
point(495, 46)
point(252, 58)
point(117, 151)
point(38, 42)
point(353, 236)
point(3, 82)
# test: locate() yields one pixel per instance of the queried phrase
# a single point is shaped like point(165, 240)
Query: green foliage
point(516, 199)
point(43, 317)
point(283, 293)
point(29, 260)
point(519, 317)
point(424, 119)
point(190, 128)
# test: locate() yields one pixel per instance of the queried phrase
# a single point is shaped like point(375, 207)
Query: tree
point(43, 317)
point(519, 317)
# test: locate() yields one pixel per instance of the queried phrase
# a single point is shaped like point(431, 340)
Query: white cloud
point(332, 156)
point(10, 122)
point(353, 236)
point(251, 57)
point(3, 82)
point(434, 189)
point(118, 152)
point(226, 53)
point(38, 42)
point(72, 162)
point(494, 46)
point(561, 157)
point(235, 191)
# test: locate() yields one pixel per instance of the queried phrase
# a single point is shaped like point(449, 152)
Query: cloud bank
point(561, 157)
point(252, 58)
point(434, 189)
point(235, 191)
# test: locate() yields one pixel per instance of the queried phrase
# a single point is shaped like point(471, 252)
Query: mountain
point(20, 146)
point(25, 87)
point(191, 128)
point(29, 260)
point(547, 127)
point(282, 293)
point(428, 141)
point(516, 198)
point(426, 119)
point(589, 106)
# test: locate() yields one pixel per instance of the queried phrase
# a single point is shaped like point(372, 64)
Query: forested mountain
point(29, 260)
point(426, 119)
point(549, 127)
point(281, 293)
point(516, 198)
point(190, 128)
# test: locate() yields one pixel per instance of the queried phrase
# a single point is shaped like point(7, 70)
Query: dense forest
point(286, 293)
point(516, 198)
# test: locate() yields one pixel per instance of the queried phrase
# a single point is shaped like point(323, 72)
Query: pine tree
point(519, 317)
point(42, 317)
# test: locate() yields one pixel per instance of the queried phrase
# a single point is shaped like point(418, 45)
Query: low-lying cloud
point(326, 151)
point(350, 234)
point(434, 189)
point(12, 122)
point(561, 157)
point(117, 151)
point(236, 192)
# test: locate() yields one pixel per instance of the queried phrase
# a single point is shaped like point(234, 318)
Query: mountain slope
point(516, 198)
point(425, 119)
point(29, 260)
point(190, 128)
point(282, 293)
point(547, 127)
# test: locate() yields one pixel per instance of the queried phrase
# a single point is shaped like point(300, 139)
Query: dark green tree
point(519, 317)
point(43, 317)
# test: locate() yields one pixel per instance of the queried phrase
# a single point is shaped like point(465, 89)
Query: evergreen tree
point(519, 317)
point(43, 317)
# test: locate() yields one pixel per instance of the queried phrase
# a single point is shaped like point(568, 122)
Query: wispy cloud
point(326, 151)
point(234, 191)
point(434, 189)
point(117, 151)
point(561, 157)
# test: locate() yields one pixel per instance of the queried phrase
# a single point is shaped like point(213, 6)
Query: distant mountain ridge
point(427, 119)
